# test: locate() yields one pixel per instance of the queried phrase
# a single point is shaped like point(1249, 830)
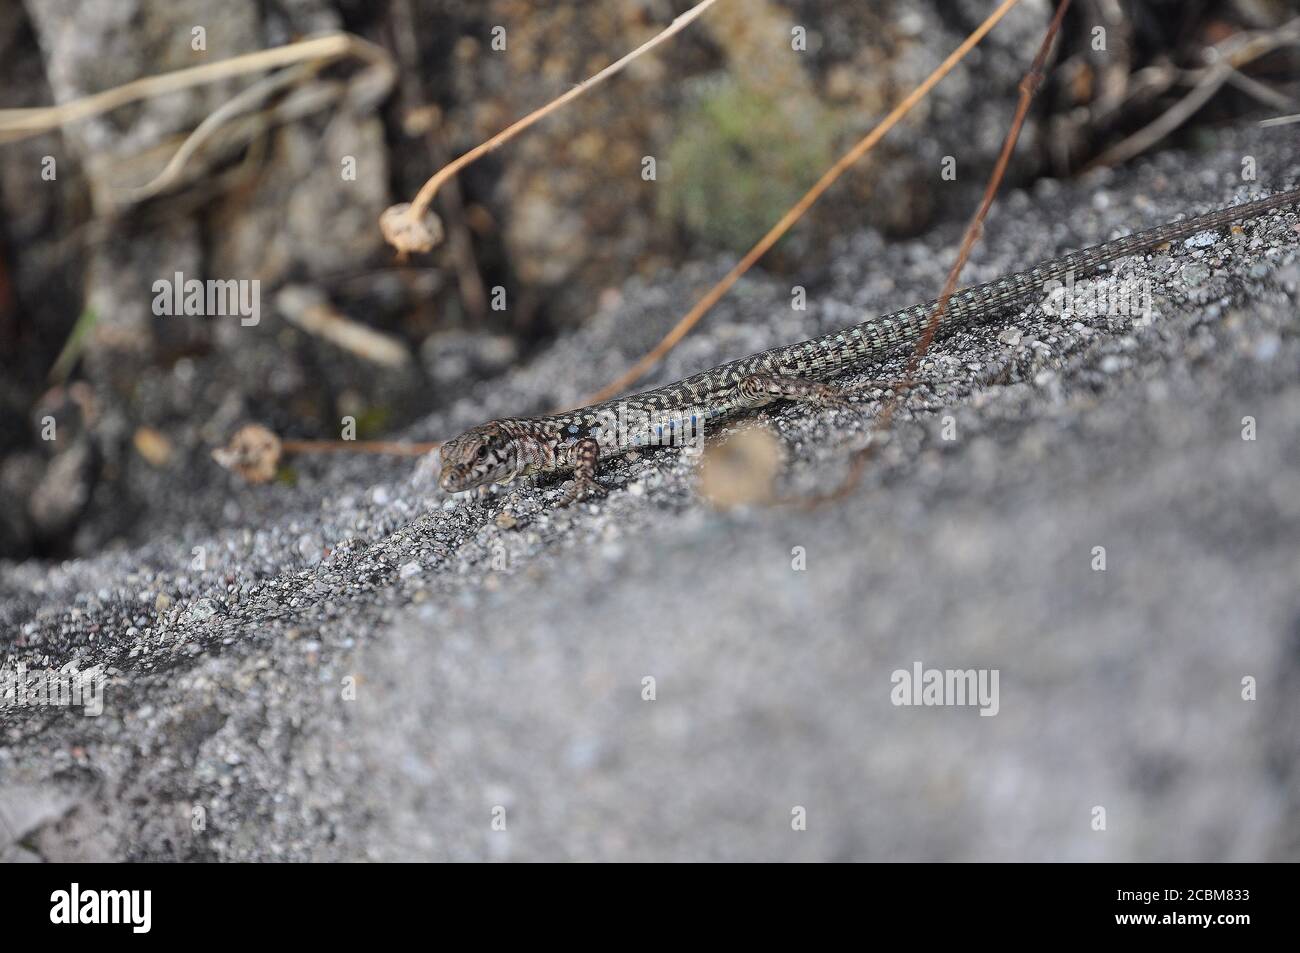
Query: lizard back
point(668, 413)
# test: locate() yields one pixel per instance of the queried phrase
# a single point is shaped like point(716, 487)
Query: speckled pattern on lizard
point(502, 450)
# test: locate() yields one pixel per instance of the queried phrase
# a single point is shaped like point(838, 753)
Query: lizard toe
point(581, 488)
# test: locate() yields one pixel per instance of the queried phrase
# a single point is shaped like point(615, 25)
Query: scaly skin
point(502, 450)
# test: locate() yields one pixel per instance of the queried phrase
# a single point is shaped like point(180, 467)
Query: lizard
point(577, 441)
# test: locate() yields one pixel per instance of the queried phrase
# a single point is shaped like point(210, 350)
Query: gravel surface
point(357, 667)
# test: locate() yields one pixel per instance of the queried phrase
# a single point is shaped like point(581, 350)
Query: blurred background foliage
point(741, 161)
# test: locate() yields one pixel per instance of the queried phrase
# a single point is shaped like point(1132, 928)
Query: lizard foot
point(581, 488)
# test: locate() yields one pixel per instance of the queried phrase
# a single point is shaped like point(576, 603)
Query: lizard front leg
point(583, 457)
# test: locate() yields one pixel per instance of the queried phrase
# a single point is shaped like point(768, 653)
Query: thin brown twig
point(254, 453)
point(18, 124)
point(1261, 91)
point(408, 218)
point(392, 447)
point(460, 246)
point(1028, 88)
point(1232, 54)
point(205, 130)
point(865, 145)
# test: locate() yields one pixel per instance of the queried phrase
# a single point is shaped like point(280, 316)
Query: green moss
point(373, 421)
point(73, 346)
point(742, 159)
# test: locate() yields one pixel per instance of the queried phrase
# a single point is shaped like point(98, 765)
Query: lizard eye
point(482, 452)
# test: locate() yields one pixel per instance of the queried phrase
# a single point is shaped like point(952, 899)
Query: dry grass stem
point(683, 327)
point(407, 226)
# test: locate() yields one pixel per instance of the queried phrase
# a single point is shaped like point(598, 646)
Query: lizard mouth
point(452, 481)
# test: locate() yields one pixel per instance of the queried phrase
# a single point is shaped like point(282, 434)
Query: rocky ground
point(358, 667)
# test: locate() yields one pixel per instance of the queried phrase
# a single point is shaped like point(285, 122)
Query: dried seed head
point(741, 470)
point(253, 453)
point(408, 234)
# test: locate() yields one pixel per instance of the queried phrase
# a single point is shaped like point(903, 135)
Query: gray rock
point(351, 709)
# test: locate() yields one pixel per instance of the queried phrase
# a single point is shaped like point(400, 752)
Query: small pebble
point(1194, 273)
point(200, 611)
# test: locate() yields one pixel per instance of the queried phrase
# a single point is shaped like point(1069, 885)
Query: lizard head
point(482, 455)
